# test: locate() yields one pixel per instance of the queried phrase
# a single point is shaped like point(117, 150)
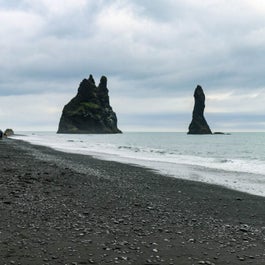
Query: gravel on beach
point(61, 208)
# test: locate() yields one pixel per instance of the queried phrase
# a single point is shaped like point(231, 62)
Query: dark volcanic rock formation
point(89, 111)
point(9, 132)
point(198, 124)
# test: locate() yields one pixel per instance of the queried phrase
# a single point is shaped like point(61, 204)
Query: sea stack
point(89, 111)
point(198, 124)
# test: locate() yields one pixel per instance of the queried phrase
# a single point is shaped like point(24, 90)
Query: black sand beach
point(59, 208)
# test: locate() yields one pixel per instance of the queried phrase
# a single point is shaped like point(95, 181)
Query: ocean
point(235, 161)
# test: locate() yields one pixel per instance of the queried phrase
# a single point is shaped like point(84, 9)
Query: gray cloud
point(148, 49)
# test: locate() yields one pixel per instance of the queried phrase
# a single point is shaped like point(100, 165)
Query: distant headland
point(89, 111)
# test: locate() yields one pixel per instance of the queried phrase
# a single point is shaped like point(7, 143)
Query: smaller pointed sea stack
point(198, 124)
point(89, 111)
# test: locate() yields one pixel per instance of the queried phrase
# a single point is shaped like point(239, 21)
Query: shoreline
point(63, 208)
point(223, 169)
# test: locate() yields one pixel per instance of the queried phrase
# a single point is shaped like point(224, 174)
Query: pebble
point(53, 217)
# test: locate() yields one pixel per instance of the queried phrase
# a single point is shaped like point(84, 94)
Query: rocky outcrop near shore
point(198, 124)
point(89, 111)
point(9, 132)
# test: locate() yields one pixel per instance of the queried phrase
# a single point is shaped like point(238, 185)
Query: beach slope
point(59, 208)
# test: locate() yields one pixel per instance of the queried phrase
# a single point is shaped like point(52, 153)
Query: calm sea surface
point(236, 161)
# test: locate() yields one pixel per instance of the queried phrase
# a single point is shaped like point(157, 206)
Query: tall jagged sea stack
point(89, 111)
point(198, 124)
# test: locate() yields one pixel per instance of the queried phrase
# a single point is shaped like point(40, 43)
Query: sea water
point(236, 161)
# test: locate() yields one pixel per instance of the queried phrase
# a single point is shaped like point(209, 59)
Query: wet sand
point(59, 208)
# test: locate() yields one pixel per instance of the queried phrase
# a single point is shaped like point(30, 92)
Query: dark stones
point(198, 124)
point(222, 133)
point(89, 111)
point(9, 132)
point(218, 133)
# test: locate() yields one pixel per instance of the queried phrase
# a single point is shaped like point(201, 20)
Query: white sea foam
point(236, 161)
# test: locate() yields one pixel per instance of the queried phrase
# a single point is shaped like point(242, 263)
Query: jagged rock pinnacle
point(103, 82)
point(91, 79)
point(89, 111)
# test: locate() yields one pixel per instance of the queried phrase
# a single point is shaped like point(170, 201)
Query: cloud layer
point(154, 53)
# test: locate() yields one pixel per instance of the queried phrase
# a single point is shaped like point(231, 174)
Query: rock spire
point(89, 111)
point(198, 124)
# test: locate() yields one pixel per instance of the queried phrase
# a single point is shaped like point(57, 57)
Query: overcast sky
point(154, 53)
